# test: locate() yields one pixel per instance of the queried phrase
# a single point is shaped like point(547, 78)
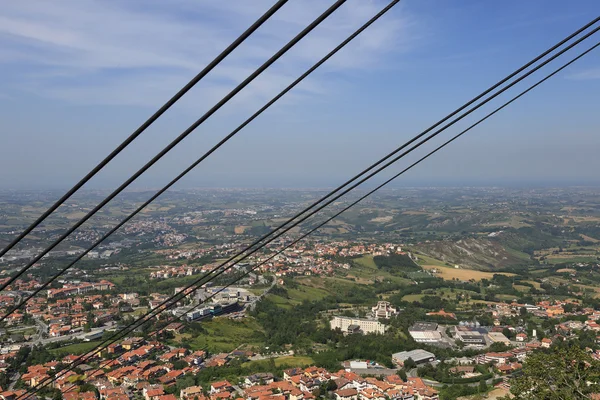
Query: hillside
point(475, 253)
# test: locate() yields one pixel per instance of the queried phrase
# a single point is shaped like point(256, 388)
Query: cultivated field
point(449, 274)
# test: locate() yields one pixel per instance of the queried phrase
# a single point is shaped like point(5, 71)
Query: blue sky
point(78, 76)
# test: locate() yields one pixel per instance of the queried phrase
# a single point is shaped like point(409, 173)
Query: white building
point(350, 325)
point(383, 309)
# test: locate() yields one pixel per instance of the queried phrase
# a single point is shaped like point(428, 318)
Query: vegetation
point(565, 373)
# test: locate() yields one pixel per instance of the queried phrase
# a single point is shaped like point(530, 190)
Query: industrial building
point(498, 337)
point(469, 336)
point(418, 356)
point(425, 332)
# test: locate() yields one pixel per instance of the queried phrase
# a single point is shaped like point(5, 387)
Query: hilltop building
point(383, 309)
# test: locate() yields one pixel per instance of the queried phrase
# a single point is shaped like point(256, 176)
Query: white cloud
point(140, 52)
point(588, 74)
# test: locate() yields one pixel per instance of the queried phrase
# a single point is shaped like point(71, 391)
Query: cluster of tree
point(396, 263)
point(453, 392)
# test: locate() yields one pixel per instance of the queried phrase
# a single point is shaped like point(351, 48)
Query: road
point(250, 306)
point(42, 328)
point(238, 389)
point(13, 381)
point(79, 335)
point(413, 374)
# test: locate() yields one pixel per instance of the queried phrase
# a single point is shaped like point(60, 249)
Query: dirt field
point(448, 273)
point(565, 270)
point(493, 395)
point(240, 229)
point(589, 239)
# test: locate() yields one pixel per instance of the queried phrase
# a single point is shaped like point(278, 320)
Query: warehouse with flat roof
point(425, 332)
point(419, 356)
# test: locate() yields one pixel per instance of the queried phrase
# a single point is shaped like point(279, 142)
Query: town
point(337, 316)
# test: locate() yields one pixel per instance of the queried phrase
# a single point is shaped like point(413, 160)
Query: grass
point(535, 284)
point(564, 270)
point(288, 361)
point(307, 293)
point(426, 260)
point(522, 288)
point(538, 271)
point(518, 254)
point(282, 301)
point(224, 335)
point(413, 297)
point(506, 296)
point(365, 270)
point(367, 262)
point(137, 313)
point(448, 273)
point(573, 259)
point(77, 348)
point(298, 295)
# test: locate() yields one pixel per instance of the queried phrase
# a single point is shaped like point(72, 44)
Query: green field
point(77, 348)
point(413, 297)
point(367, 262)
point(137, 313)
point(426, 260)
point(574, 259)
point(522, 288)
point(298, 295)
point(282, 302)
point(517, 253)
point(365, 270)
point(444, 293)
point(307, 293)
point(224, 335)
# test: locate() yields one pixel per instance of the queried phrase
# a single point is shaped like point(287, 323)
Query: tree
point(331, 385)
point(179, 364)
point(402, 374)
point(523, 311)
point(482, 386)
point(409, 364)
point(499, 347)
point(564, 373)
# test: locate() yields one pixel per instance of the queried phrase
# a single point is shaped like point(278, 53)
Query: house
point(500, 358)
point(546, 343)
point(221, 386)
point(191, 392)
point(264, 378)
point(521, 337)
point(153, 392)
point(346, 394)
point(171, 377)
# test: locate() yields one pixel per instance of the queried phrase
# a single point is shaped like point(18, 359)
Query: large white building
point(352, 325)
